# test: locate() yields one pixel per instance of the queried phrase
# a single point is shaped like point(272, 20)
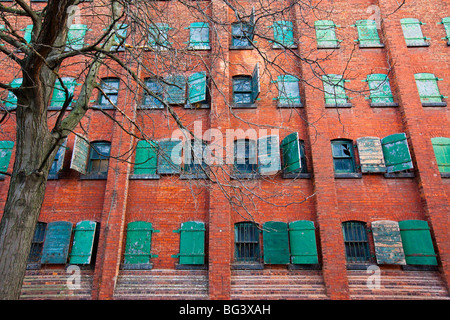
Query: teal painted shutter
point(269, 155)
point(5, 155)
point(59, 159)
point(57, 242)
point(441, 147)
point(197, 87)
point(283, 34)
point(28, 33)
point(388, 242)
point(290, 149)
point(146, 158)
point(370, 154)
point(169, 156)
point(417, 242)
point(446, 22)
point(139, 242)
point(192, 243)
point(158, 36)
point(59, 95)
point(428, 88)
point(276, 242)
point(75, 36)
point(368, 33)
point(80, 155)
point(396, 152)
point(199, 35)
point(334, 89)
point(412, 31)
point(176, 89)
point(83, 242)
point(302, 238)
point(120, 35)
point(11, 101)
point(326, 34)
point(256, 85)
point(288, 90)
point(380, 88)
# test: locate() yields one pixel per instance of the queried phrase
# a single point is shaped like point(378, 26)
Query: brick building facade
point(368, 195)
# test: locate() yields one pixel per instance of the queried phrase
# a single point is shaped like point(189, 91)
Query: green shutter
point(120, 35)
point(276, 242)
point(428, 88)
point(75, 36)
point(5, 155)
point(199, 35)
point(380, 89)
point(80, 155)
point(169, 156)
point(57, 242)
point(197, 87)
point(370, 154)
point(11, 100)
point(441, 147)
point(83, 242)
point(388, 242)
point(326, 34)
point(396, 152)
point(446, 22)
point(283, 34)
point(146, 158)
point(158, 36)
point(175, 89)
point(334, 89)
point(59, 95)
point(368, 34)
point(417, 242)
point(192, 243)
point(290, 149)
point(28, 33)
point(256, 85)
point(269, 155)
point(302, 238)
point(288, 90)
point(139, 243)
point(412, 31)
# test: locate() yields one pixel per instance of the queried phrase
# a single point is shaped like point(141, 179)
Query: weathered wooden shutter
point(288, 90)
point(446, 22)
point(283, 34)
point(197, 87)
point(5, 155)
point(388, 242)
point(412, 31)
point(441, 147)
point(146, 158)
point(269, 155)
point(290, 149)
point(417, 242)
point(370, 154)
point(396, 153)
point(28, 33)
point(80, 155)
point(75, 36)
point(276, 242)
point(380, 89)
point(59, 94)
point(169, 156)
point(59, 159)
point(334, 89)
point(154, 100)
point(302, 238)
point(83, 242)
point(175, 89)
point(256, 85)
point(57, 242)
point(35, 254)
point(158, 36)
point(139, 243)
point(192, 243)
point(11, 100)
point(428, 88)
point(367, 33)
point(326, 34)
point(199, 35)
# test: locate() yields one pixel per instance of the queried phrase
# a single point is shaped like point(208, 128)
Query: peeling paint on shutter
point(59, 95)
point(139, 242)
point(269, 155)
point(169, 156)
point(446, 22)
point(75, 36)
point(283, 34)
point(59, 159)
point(288, 91)
point(388, 242)
point(145, 161)
point(28, 33)
point(175, 89)
point(83, 242)
point(380, 89)
point(326, 34)
point(428, 88)
point(80, 155)
point(276, 243)
point(370, 154)
point(57, 242)
point(302, 238)
point(6, 148)
point(192, 243)
point(334, 89)
point(197, 87)
point(412, 32)
point(417, 242)
point(199, 36)
point(396, 153)
point(11, 100)
point(368, 34)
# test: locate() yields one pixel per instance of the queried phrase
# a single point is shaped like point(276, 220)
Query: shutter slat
point(83, 242)
point(80, 155)
point(57, 241)
point(192, 243)
point(396, 152)
point(197, 87)
point(138, 243)
point(302, 240)
point(176, 89)
point(169, 156)
point(370, 154)
point(388, 242)
point(146, 157)
point(276, 243)
point(417, 242)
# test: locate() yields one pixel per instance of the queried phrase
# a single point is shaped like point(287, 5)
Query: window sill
point(50, 108)
point(103, 107)
point(301, 175)
point(445, 174)
point(144, 177)
point(247, 266)
point(337, 46)
point(338, 105)
point(434, 104)
point(349, 175)
point(193, 176)
point(383, 105)
point(371, 46)
point(247, 176)
point(394, 175)
point(94, 176)
point(136, 266)
point(53, 176)
point(241, 47)
point(244, 106)
point(199, 105)
point(418, 45)
point(359, 266)
point(149, 107)
point(191, 266)
point(304, 267)
point(200, 48)
point(33, 266)
point(409, 267)
point(289, 105)
point(292, 46)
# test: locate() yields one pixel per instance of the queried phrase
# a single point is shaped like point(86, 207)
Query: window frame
point(94, 155)
point(251, 245)
point(357, 249)
point(102, 101)
point(158, 90)
point(242, 32)
point(246, 169)
point(350, 157)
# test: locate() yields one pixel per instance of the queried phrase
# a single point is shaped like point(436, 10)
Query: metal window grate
point(356, 242)
point(246, 239)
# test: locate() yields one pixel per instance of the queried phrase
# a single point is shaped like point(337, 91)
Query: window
point(145, 162)
point(110, 87)
point(83, 242)
point(334, 89)
point(75, 36)
point(283, 35)
point(169, 156)
point(356, 242)
point(417, 242)
point(155, 100)
point(246, 242)
point(380, 90)
point(11, 100)
point(288, 91)
point(412, 31)
point(57, 242)
point(99, 158)
point(59, 93)
point(158, 36)
point(276, 243)
point(302, 239)
point(269, 155)
point(326, 34)
point(446, 22)
point(368, 34)
point(245, 160)
point(241, 35)
point(6, 148)
point(138, 245)
point(194, 156)
point(441, 147)
point(199, 36)
point(37, 243)
point(192, 243)
point(427, 85)
point(246, 89)
point(343, 158)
